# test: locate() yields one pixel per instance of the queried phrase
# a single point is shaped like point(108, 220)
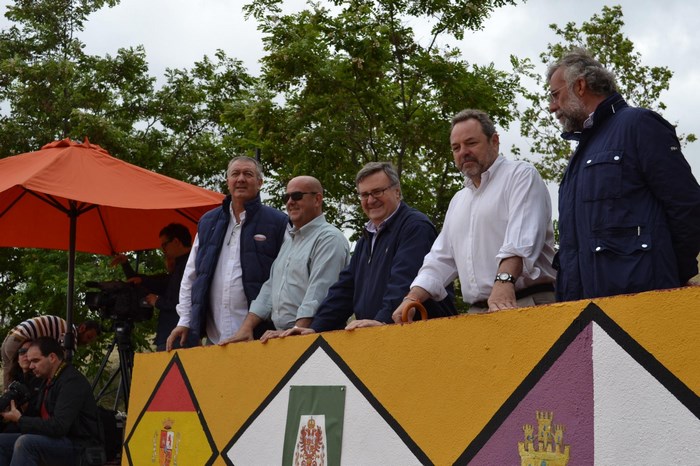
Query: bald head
point(304, 200)
point(309, 182)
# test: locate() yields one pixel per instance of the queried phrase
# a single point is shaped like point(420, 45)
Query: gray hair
point(577, 64)
point(374, 167)
point(245, 158)
point(484, 120)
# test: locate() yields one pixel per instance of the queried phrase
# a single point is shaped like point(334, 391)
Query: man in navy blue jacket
point(231, 258)
point(385, 260)
point(629, 205)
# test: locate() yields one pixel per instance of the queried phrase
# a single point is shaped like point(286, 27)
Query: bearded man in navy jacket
point(629, 205)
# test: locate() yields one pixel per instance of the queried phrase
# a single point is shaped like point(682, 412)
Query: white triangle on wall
point(367, 438)
point(637, 420)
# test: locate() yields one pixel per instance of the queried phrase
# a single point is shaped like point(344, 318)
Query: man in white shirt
point(231, 258)
point(497, 236)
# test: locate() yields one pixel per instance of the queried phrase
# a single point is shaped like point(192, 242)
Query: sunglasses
point(295, 196)
point(22, 350)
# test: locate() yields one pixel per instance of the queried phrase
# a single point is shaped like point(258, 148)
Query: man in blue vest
point(230, 259)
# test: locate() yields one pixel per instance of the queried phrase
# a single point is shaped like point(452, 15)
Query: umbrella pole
point(69, 339)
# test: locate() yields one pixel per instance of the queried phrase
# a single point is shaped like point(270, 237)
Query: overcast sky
point(176, 33)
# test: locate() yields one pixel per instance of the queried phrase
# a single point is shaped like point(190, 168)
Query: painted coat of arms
point(310, 448)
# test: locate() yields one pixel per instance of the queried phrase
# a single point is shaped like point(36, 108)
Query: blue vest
point(262, 236)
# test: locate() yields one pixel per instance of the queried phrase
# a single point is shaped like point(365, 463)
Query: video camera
point(119, 300)
point(15, 391)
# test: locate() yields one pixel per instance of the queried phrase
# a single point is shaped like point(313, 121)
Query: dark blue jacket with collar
point(375, 281)
point(262, 236)
point(629, 207)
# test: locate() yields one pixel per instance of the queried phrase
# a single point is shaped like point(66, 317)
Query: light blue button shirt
point(308, 263)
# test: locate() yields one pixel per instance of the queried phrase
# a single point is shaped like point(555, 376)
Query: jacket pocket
point(602, 176)
point(621, 264)
point(621, 245)
point(265, 240)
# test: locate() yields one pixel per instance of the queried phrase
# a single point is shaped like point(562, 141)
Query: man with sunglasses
point(386, 258)
point(307, 265)
point(497, 236)
point(230, 260)
point(164, 289)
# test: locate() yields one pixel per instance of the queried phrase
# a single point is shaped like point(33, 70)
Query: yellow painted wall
point(478, 360)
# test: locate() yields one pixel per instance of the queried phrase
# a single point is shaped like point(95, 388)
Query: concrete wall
point(609, 382)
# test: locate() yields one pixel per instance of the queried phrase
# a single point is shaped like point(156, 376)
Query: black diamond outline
point(321, 343)
point(592, 313)
point(175, 360)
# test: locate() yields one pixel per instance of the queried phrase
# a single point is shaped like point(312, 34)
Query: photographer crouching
point(67, 430)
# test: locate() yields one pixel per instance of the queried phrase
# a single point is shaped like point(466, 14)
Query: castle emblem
point(311, 444)
point(550, 449)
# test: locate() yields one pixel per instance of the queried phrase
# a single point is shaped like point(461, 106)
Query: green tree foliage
point(341, 86)
point(603, 36)
point(185, 136)
point(51, 89)
point(351, 83)
point(54, 90)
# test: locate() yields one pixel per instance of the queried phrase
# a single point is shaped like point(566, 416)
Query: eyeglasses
point(295, 196)
point(375, 193)
point(22, 350)
point(554, 95)
point(165, 243)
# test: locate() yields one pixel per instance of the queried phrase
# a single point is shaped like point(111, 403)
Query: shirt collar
point(233, 217)
point(486, 176)
point(309, 227)
point(371, 228)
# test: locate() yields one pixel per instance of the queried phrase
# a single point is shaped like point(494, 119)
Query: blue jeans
point(33, 449)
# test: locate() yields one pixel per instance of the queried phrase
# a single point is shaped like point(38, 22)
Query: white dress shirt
point(509, 214)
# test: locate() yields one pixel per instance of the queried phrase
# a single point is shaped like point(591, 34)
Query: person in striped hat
point(42, 326)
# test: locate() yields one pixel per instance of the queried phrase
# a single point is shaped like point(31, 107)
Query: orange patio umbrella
point(76, 197)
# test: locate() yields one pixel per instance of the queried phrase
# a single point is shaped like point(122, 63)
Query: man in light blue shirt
point(309, 262)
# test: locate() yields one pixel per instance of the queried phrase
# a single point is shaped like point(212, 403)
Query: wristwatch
point(504, 277)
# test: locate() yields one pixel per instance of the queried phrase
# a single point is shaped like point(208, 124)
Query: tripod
point(122, 341)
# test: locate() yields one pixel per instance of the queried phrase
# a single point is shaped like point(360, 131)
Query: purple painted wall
point(566, 389)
